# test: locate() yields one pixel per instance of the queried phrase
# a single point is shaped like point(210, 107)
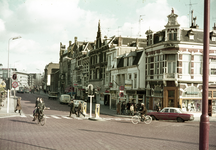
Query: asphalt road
point(61, 132)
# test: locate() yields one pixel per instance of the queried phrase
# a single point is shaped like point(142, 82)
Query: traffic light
point(8, 84)
point(90, 91)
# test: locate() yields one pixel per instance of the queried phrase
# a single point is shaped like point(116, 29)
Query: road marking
point(55, 117)
point(118, 119)
point(66, 117)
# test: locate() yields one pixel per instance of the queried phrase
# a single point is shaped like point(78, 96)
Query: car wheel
point(153, 118)
point(180, 119)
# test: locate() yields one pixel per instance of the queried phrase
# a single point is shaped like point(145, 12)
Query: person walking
point(80, 109)
point(71, 105)
point(18, 106)
point(118, 108)
point(132, 110)
point(128, 107)
point(123, 108)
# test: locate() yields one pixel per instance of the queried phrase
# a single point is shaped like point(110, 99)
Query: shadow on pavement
point(133, 136)
point(26, 144)
point(23, 121)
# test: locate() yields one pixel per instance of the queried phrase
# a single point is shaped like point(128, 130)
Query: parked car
point(53, 95)
point(171, 113)
point(64, 98)
point(76, 102)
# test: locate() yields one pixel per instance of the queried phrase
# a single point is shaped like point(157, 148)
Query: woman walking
point(18, 106)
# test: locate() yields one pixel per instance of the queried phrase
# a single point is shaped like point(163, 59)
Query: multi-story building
point(49, 69)
point(22, 79)
point(122, 69)
point(174, 66)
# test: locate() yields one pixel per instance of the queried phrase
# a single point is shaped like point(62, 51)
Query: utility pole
point(190, 5)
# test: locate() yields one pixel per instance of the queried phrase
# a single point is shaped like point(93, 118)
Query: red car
point(171, 113)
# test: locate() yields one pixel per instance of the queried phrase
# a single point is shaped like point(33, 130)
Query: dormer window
point(172, 34)
point(191, 35)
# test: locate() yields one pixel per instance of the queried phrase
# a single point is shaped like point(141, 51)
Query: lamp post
point(14, 38)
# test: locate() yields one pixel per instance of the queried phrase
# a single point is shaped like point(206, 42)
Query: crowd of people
point(130, 108)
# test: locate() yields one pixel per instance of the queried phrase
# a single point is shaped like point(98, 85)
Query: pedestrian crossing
point(59, 117)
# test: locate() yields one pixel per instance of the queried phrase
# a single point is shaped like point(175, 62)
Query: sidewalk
point(3, 109)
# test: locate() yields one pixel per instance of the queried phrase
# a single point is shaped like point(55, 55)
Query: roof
point(137, 58)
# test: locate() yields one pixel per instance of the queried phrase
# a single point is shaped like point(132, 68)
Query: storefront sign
point(191, 93)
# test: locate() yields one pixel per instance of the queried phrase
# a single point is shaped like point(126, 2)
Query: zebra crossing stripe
point(66, 117)
point(55, 117)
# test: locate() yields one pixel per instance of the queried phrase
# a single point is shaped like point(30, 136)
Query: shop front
point(191, 99)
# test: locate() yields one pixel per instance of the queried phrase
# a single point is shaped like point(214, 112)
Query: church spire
point(98, 38)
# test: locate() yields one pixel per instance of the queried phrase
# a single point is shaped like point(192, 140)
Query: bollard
point(97, 110)
point(84, 108)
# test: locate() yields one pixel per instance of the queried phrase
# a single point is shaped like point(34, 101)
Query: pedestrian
point(157, 107)
point(80, 109)
point(123, 108)
point(143, 111)
point(18, 106)
point(128, 107)
point(118, 108)
point(71, 105)
point(132, 110)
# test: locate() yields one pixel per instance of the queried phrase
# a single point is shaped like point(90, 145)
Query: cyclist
point(35, 114)
point(41, 107)
point(143, 111)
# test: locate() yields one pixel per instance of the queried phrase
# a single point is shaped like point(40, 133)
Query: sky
point(43, 24)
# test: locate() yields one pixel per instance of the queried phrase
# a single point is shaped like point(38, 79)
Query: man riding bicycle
point(39, 109)
point(143, 111)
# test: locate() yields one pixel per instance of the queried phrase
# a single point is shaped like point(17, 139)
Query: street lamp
point(13, 38)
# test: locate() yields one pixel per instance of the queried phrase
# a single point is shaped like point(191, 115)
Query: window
point(186, 64)
point(129, 76)
point(197, 64)
point(125, 62)
point(172, 34)
point(213, 38)
point(130, 61)
point(135, 80)
point(213, 71)
point(171, 63)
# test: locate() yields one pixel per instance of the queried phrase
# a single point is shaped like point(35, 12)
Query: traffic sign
point(14, 84)
point(14, 76)
point(121, 94)
point(121, 88)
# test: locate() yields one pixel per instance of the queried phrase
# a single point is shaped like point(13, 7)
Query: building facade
point(174, 66)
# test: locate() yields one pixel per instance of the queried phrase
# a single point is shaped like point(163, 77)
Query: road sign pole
point(90, 106)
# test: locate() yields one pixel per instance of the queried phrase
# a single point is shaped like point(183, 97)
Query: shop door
point(210, 107)
point(171, 98)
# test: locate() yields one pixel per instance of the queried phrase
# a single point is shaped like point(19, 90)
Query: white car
point(64, 98)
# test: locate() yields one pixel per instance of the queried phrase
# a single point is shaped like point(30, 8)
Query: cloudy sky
point(43, 24)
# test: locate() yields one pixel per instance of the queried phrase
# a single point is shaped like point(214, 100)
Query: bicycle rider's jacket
point(41, 106)
point(143, 111)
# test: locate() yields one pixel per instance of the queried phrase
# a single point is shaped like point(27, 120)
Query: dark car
point(171, 113)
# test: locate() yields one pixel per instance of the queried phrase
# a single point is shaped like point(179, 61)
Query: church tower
point(98, 38)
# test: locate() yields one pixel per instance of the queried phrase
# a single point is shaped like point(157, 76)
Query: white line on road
point(66, 117)
point(55, 117)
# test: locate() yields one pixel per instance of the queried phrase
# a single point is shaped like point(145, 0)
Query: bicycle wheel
point(43, 121)
point(148, 119)
point(135, 119)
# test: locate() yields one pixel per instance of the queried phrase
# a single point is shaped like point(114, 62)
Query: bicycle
point(137, 118)
point(41, 119)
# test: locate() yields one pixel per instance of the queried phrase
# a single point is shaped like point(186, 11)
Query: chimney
point(214, 28)
point(75, 39)
point(69, 43)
